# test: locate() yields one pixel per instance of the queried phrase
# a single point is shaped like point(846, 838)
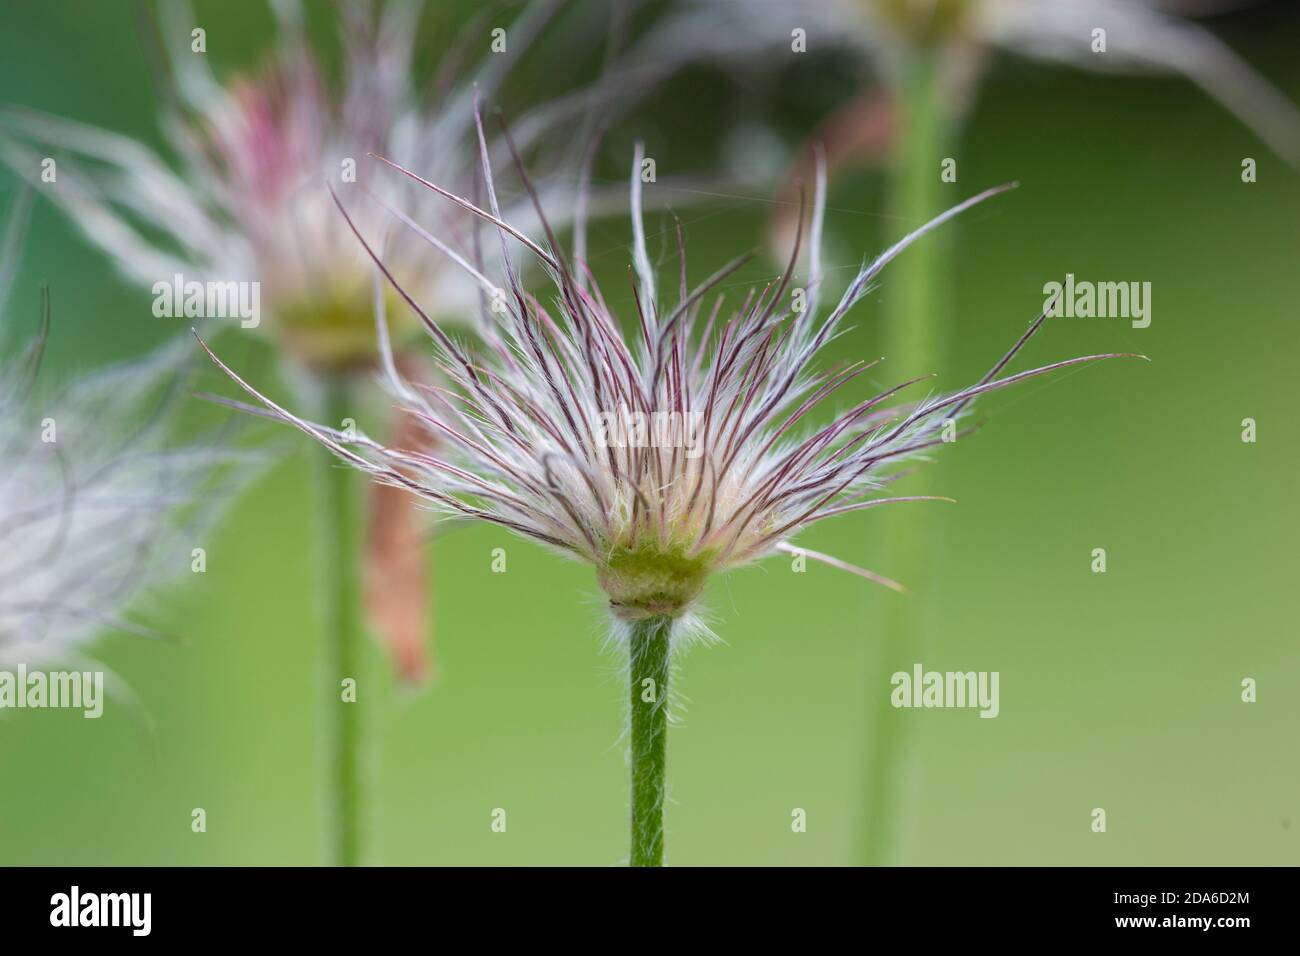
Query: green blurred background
point(1119, 690)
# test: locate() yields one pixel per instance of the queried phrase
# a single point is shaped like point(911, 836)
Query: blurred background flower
point(245, 199)
point(99, 501)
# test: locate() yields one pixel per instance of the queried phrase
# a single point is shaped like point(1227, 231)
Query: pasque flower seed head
point(529, 427)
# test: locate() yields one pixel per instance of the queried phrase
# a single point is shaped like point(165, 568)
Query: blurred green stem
point(344, 637)
point(914, 338)
point(648, 659)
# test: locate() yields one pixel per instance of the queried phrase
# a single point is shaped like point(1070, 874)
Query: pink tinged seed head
point(238, 197)
point(725, 472)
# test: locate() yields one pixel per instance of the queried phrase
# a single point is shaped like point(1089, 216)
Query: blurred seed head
point(241, 195)
point(1142, 36)
point(97, 502)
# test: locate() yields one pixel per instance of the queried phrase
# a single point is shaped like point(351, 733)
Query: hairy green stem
point(915, 338)
point(345, 640)
point(648, 662)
